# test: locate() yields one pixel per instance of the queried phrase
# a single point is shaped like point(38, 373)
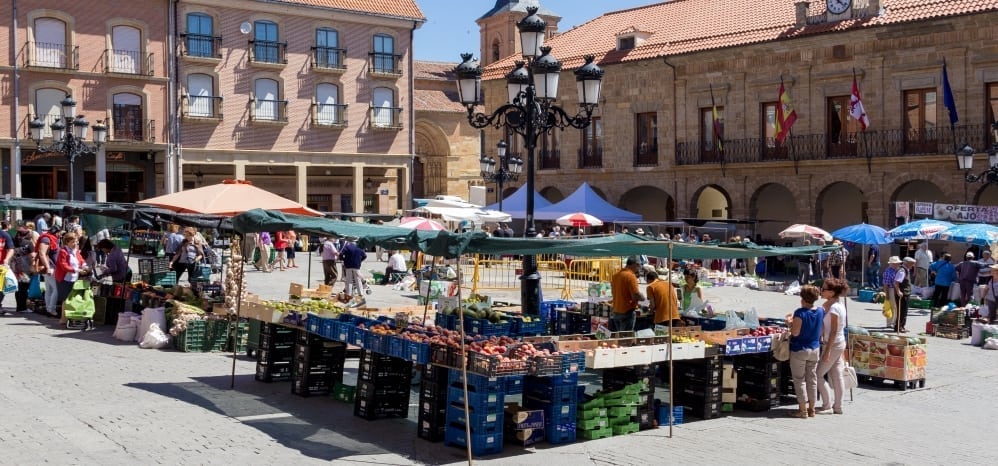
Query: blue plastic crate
point(417, 352)
point(486, 328)
point(481, 444)
point(560, 433)
point(376, 343)
point(398, 347)
point(480, 422)
point(358, 336)
point(563, 394)
point(534, 327)
point(573, 362)
point(663, 415)
point(448, 322)
point(479, 402)
point(514, 385)
point(554, 413)
point(866, 296)
point(547, 308)
point(478, 383)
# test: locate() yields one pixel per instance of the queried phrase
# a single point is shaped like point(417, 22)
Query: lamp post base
point(530, 286)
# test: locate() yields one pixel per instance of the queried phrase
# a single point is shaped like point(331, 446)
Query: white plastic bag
point(793, 288)
point(733, 322)
point(752, 318)
point(696, 305)
point(125, 330)
point(991, 343)
point(154, 338)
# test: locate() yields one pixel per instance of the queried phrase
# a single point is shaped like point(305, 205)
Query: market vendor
point(396, 265)
point(115, 265)
point(662, 300)
point(691, 287)
point(626, 295)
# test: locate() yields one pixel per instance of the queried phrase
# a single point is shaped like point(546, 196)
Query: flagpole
point(950, 103)
point(716, 127)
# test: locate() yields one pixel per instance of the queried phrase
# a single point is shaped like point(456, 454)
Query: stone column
point(301, 176)
point(358, 190)
point(101, 168)
point(403, 190)
point(240, 171)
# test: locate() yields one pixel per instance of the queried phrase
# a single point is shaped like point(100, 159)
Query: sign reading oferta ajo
point(965, 213)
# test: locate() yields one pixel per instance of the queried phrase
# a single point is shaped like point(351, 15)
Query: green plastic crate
point(620, 420)
point(594, 403)
point(586, 414)
point(595, 433)
point(592, 424)
point(625, 411)
point(621, 400)
point(625, 429)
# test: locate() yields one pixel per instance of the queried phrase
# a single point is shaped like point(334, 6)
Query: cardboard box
point(729, 383)
point(632, 356)
point(600, 358)
point(524, 437)
point(518, 418)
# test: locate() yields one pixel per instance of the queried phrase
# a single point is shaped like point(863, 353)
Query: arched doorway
point(552, 194)
point(711, 201)
point(431, 176)
point(652, 203)
point(840, 204)
point(987, 195)
point(776, 202)
point(913, 191)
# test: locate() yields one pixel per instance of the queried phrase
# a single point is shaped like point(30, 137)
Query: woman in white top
point(833, 345)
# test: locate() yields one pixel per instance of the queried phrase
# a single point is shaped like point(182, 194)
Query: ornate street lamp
point(965, 161)
point(71, 144)
point(532, 88)
point(509, 168)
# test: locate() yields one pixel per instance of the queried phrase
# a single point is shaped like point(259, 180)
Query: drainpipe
point(171, 160)
point(675, 125)
point(15, 154)
point(409, 203)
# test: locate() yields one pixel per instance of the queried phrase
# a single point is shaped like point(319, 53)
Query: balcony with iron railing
point(127, 129)
point(127, 62)
point(329, 115)
point(201, 107)
point(385, 64)
point(329, 59)
point(862, 145)
point(268, 52)
point(52, 55)
point(646, 155)
point(269, 111)
point(548, 159)
point(388, 118)
point(201, 46)
point(591, 157)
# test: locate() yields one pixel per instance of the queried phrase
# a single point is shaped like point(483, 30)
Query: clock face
point(837, 7)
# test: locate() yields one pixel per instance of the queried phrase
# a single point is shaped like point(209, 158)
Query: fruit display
point(891, 357)
point(767, 330)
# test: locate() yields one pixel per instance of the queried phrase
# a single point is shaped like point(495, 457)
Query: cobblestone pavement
point(70, 397)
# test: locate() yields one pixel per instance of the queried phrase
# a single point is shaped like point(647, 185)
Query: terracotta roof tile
point(687, 26)
point(428, 100)
point(433, 70)
point(398, 8)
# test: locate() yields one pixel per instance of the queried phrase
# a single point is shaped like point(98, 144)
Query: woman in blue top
point(805, 331)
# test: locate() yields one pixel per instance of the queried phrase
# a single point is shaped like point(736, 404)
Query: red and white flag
point(856, 109)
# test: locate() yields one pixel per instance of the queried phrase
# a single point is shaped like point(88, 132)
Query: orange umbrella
point(230, 197)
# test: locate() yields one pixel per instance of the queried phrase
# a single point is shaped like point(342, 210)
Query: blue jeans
point(623, 322)
point(873, 275)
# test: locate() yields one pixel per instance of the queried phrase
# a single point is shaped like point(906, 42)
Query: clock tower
point(499, 36)
point(838, 10)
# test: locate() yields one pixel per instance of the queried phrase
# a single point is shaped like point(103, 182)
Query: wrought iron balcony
point(127, 62)
point(331, 115)
point(385, 64)
point(329, 58)
point(266, 51)
point(549, 159)
point(646, 155)
point(201, 107)
point(52, 55)
point(868, 145)
point(201, 46)
point(386, 117)
point(269, 110)
point(591, 157)
point(127, 129)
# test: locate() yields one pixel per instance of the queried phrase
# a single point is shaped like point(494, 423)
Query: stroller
point(79, 306)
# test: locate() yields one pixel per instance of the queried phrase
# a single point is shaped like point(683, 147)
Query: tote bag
point(35, 288)
point(781, 347)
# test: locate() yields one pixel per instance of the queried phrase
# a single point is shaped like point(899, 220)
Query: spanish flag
point(785, 115)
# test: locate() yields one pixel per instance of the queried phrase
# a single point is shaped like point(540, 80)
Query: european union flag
point(948, 100)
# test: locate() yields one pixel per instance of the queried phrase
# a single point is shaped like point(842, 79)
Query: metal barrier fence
point(570, 276)
point(583, 272)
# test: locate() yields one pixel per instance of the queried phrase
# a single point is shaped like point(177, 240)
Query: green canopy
point(450, 245)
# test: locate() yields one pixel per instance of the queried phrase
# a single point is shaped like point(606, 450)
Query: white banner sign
point(923, 208)
point(965, 213)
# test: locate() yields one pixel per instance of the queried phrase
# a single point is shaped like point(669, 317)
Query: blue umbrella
point(980, 234)
point(862, 233)
point(919, 229)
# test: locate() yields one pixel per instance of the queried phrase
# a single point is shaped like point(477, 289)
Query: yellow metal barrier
point(503, 273)
point(582, 272)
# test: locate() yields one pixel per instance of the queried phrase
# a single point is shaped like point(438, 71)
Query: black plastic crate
point(430, 390)
point(380, 409)
point(383, 391)
point(400, 376)
point(430, 428)
point(380, 358)
point(645, 418)
point(707, 391)
point(699, 364)
point(433, 409)
point(306, 387)
point(703, 408)
point(265, 373)
point(757, 363)
point(279, 332)
point(435, 373)
point(276, 342)
point(688, 376)
point(268, 356)
point(754, 385)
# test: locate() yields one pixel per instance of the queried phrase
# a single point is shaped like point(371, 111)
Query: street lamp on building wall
point(509, 168)
point(965, 160)
point(532, 88)
point(71, 144)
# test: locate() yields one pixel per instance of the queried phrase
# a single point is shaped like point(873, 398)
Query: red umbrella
point(228, 198)
point(420, 223)
point(579, 219)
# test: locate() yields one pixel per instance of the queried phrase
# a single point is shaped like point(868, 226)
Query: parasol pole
point(239, 306)
point(464, 361)
point(862, 268)
point(672, 387)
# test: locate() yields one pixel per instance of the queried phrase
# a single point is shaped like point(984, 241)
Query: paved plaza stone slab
point(70, 397)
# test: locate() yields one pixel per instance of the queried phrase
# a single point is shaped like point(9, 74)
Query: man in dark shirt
point(352, 256)
point(6, 253)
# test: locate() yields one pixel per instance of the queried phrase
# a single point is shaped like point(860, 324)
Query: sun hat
point(969, 255)
point(909, 259)
point(894, 260)
point(639, 231)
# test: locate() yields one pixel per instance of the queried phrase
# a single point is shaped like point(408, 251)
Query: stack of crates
point(698, 386)
point(622, 408)
point(593, 420)
point(484, 415)
point(787, 393)
point(432, 420)
point(318, 365)
point(758, 381)
point(558, 397)
point(382, 386)
point(276, 353)
point(618, 378)
point(571, 323)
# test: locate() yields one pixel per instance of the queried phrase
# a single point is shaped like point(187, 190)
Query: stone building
point(652, 147)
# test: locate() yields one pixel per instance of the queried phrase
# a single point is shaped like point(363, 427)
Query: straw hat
point(894, 260)
point(909, 260)
point(969, 255)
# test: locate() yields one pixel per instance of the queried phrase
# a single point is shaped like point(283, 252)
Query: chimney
point(874, 8)
point(802, 7)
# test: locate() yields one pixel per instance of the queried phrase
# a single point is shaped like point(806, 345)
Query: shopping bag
point(35, 288)
point(849, 377)
point(80, 302)
point(954, 293)
point(888, 311)
point(781, 346)
point(9, 280)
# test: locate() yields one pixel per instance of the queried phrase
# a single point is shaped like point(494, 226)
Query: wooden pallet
point(899, 384)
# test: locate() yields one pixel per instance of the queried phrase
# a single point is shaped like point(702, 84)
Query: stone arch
point(773, 201)
point(430, 175)
point(840, 204)
point(598, 191)
point(913, 191)
point(709, 200)
point(552, 194)
point(986, 195)
point(654, 204)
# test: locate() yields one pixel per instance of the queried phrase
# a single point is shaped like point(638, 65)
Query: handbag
point(888, 311)
point(781, 347)
point(849, 377)
point(9, 280)
point(35, 288)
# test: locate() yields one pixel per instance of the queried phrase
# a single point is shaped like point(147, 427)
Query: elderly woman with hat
point(890, 273)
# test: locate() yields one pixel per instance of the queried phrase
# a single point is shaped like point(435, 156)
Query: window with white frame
point(48, 107)
point(383, 107)
point(266, 97)
point(200, 96)
point(126, 50)
point(328, 110)
point(51, 48)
